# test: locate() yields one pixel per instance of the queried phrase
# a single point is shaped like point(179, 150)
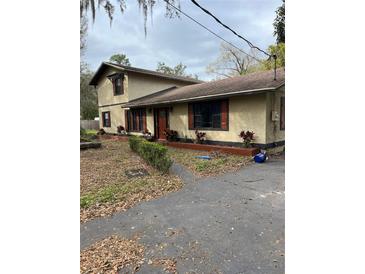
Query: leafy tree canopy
point(178, 70)
point(88, 95)
point(279, 50)
point(279, 24)
point(120, 59)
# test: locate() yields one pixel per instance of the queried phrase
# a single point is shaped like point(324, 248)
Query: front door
point(161, 119)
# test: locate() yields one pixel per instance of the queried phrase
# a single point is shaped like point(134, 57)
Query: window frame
point(136, 120)
point(104, 120)
point(220, 128)
point(113, 78)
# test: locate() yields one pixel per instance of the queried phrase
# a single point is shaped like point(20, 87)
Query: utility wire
point(212, 32)
point(235, 33)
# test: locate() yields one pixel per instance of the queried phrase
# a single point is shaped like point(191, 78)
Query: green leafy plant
point(247, 136)
point(154, 153)
point(171, 135)
point(200, 137)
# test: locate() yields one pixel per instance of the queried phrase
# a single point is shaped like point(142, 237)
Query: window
point(118, 88)
point(209, 115)
point(282, 113)
point(136, 119)
point(106, 119)
point(117, 81)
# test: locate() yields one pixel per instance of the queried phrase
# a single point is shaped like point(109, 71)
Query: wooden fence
point(89, 124)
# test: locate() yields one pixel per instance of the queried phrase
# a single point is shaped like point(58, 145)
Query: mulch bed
point(110, 255)
point(105, 169)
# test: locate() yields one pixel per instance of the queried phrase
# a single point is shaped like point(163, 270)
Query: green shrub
point(135, 143)
point(82, 131)
point(154, 153)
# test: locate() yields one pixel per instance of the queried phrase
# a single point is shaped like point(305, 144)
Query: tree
point(279, 50)
point(279, 24)
point(145, 5)
point(232, 62)
point(83, 33)
point(120, 59)
point(88, 95)
point(178, 70)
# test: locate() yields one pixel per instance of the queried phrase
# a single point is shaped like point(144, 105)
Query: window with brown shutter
point(136, 120)
point(282, 113)
point(209, 115)
point(117, 81)
point(106, 118)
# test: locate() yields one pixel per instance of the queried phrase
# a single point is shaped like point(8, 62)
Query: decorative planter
point(252, 151)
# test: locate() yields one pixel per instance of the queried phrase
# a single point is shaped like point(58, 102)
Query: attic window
point(117, 81)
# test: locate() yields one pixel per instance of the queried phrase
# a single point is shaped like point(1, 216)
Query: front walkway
point(232, 223)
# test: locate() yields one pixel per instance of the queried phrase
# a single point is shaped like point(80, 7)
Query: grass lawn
point(220, 163)
point(104, 186)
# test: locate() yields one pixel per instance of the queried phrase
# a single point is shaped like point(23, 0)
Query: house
point(221, 109)
point(117, 84)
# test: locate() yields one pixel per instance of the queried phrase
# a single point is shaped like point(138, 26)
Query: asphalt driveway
point(232, 223)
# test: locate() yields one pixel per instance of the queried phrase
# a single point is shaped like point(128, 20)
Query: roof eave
point(200, 98)
point(95, 77)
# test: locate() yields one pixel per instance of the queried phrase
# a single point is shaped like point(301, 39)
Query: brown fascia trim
point(93, 81)
point(116, 104)
point(215, 96)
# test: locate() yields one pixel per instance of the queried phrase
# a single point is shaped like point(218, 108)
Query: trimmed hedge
point(154, 153)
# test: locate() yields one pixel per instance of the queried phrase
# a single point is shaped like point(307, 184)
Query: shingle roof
point(249, 83)
point(104, 65)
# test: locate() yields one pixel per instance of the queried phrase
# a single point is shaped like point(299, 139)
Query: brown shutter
point(282, 113)
point(137, 121)
point(190, 116)
point(126, 124)
point(113, 82)
point(224, 115)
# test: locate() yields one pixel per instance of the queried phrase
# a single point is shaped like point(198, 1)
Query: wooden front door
point(161, 122)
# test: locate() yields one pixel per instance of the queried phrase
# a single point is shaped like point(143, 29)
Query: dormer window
point(117, 81)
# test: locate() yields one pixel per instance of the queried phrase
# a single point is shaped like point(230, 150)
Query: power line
point(224, 25)
point(212, 32)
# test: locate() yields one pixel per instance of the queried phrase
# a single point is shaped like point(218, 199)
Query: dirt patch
point(110, 255)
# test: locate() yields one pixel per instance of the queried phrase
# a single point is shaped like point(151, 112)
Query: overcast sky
point(179, 40)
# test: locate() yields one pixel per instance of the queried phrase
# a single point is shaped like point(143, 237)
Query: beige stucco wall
point(245, 113)
point(141, 85)
point(273, 132)
point(105, 90)
point(150, 121)
point(116, 115)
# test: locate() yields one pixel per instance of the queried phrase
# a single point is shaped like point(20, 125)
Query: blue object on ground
point(260, 157)
point(204, 157)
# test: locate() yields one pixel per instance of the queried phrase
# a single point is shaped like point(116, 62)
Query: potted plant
point(121, 130)
point(171, 135)
point(247, 137)
point(147, 135)
point(200, 137)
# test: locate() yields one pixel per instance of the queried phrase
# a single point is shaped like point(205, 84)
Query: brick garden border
point(204, 147)
point(232, 150)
